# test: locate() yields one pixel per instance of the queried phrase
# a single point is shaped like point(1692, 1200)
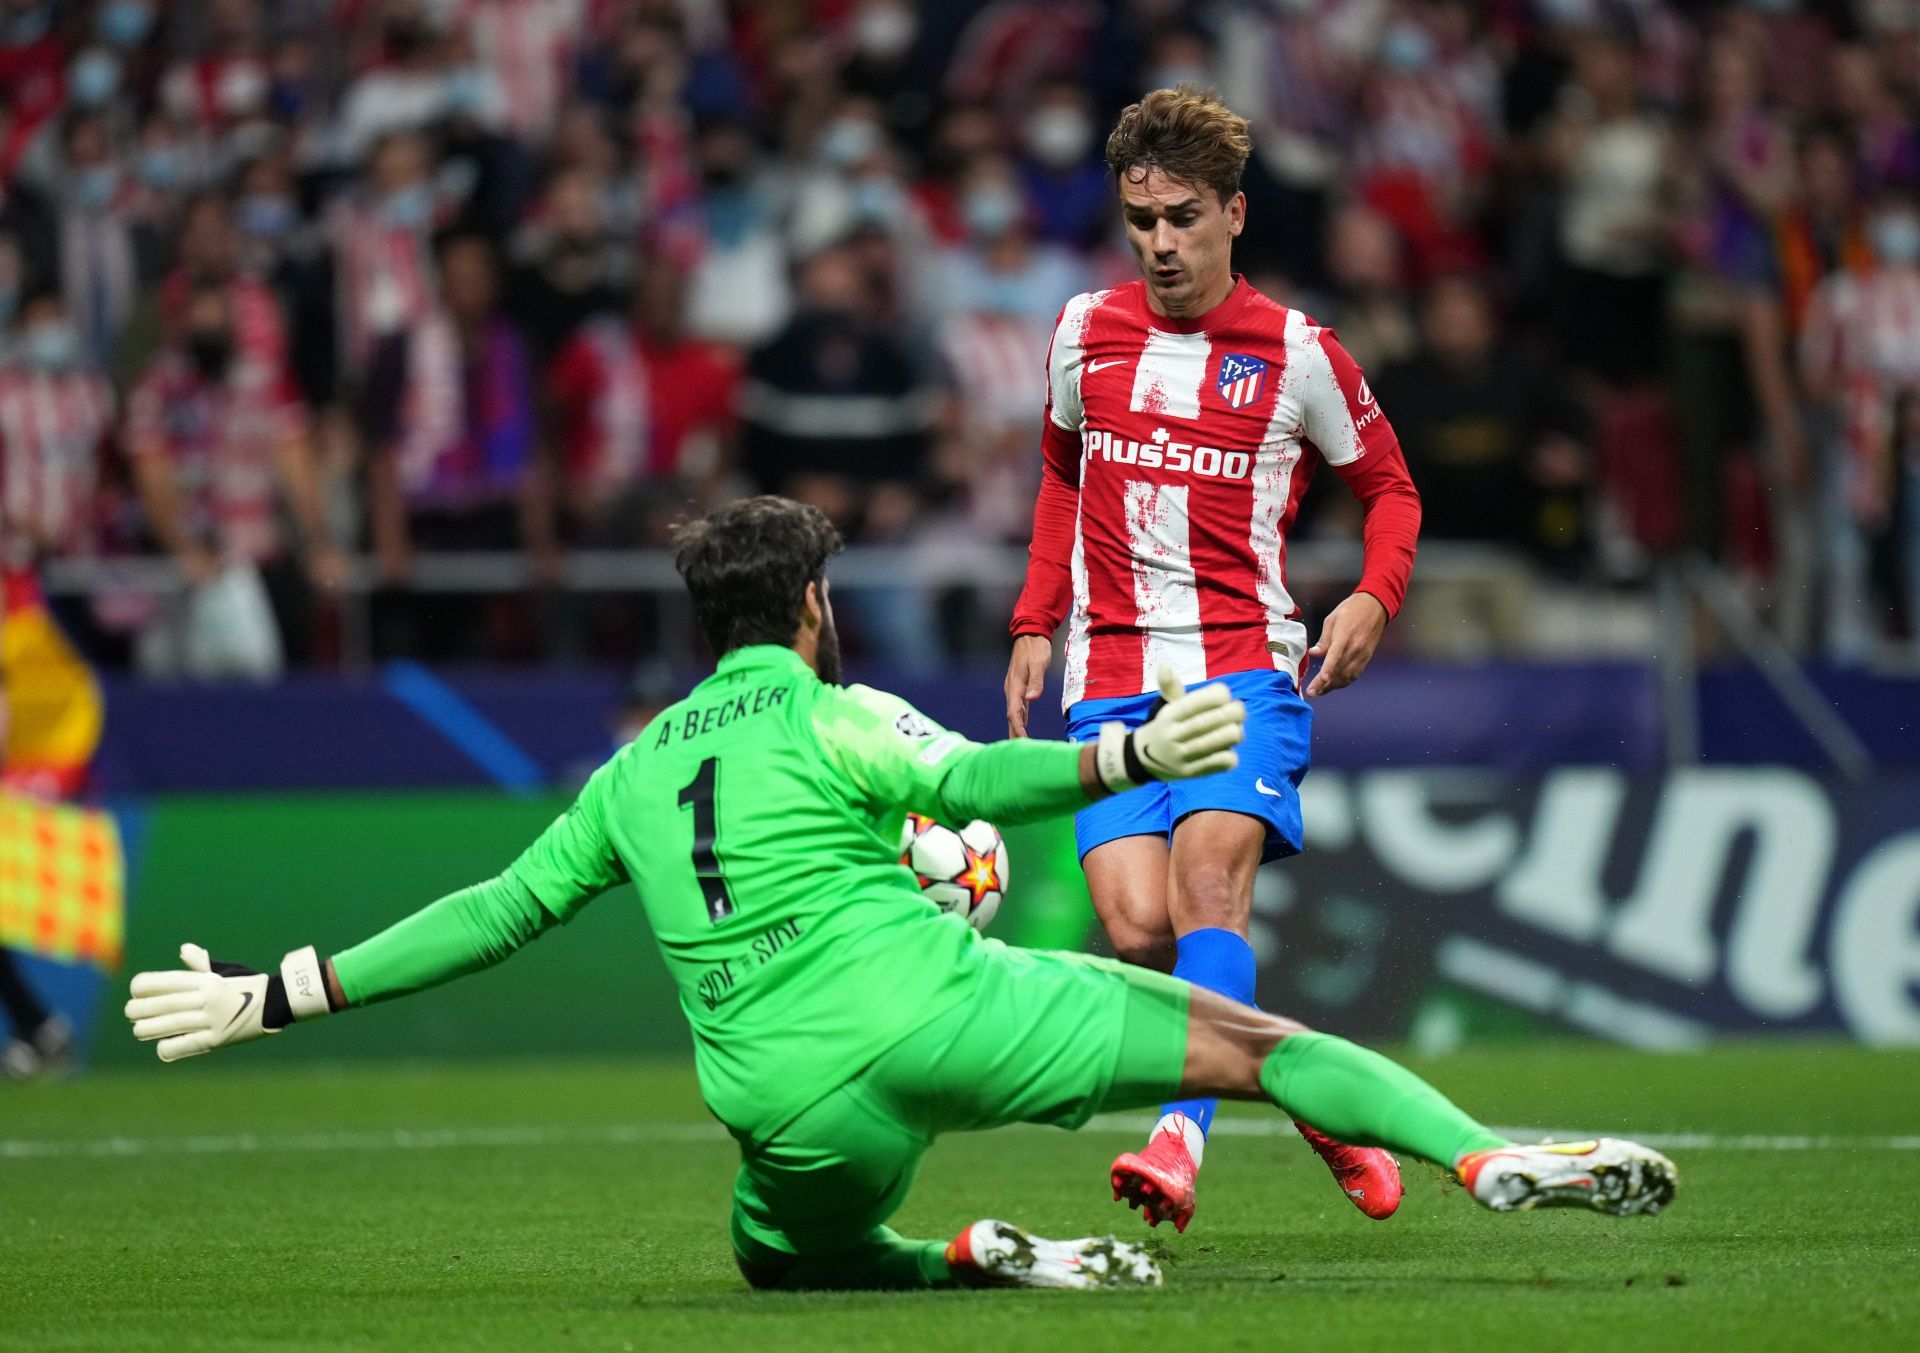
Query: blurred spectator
point(407, 90)
point(574, 265)
point(217, 445)
point(738, 291)
point(1066, 178)
point(1497, 450)
point(1368, 302)
point(1000, 267)
point(455, 458)
point(526, 49)
point(95, 235)
point(838, 413)
point(229, 82)
point(1613, 159)
point(1861, 357)
point(33, 60)
point(644, 417)
point(381, 239)
point(56, 414)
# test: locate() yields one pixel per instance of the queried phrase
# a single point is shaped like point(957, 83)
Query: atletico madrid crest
point(1242, 378)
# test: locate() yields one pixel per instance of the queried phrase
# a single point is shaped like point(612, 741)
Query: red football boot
point(1368, 1176)
point(1158, 1179)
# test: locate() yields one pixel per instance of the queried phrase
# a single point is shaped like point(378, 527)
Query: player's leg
point(1123, 845)
point(1362, 1097)
point(1127, 882)
point(808, 1205)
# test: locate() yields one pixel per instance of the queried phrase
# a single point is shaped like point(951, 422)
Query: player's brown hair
point(1187, 133)
point(747, 565)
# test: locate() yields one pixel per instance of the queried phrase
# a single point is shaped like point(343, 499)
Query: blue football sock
point(1221, 961)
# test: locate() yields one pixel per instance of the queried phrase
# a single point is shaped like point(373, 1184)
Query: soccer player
point(841, 1021)
point(1185, 414)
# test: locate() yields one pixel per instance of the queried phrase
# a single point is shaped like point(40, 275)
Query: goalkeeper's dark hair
point(747, 566)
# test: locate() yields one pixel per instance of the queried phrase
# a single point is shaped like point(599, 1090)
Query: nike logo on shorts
point(1262, 786)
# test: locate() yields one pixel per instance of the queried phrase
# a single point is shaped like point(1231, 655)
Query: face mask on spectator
point(160, 167)
point(1003, 293)
point(28, 27)
point(1406, 48)
point(50, 345)
point(125, 23)
point(469, 92)
point(266, 216)
point(93, 78)
point(847, 141)
point(990, 212)
point(732, 214)
point(409, 208)
point(878, 202)
point(1059, 137)
point(211, 351)
point(884, 31)
point(93, 188)
point(1896, 238)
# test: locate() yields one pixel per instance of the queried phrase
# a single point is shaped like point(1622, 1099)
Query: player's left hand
point(1348, 640)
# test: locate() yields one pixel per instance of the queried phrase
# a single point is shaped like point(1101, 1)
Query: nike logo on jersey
point(1264, 788)
point(1102, 366)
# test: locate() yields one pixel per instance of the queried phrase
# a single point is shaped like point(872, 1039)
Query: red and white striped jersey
point(53, 432)
point(1176, 454)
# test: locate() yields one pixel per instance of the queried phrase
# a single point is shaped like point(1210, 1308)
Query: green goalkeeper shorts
point(1047, 1038)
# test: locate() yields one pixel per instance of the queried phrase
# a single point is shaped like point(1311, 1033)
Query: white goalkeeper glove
point(1192, 734)
point(210, 1005)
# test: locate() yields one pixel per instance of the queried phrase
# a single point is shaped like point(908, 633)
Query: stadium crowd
point(286, 283)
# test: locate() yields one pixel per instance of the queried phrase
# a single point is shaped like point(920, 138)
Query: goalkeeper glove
point(210, 1005)
point(1192, 733)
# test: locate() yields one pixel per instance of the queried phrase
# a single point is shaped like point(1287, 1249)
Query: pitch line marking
point(645, 1134)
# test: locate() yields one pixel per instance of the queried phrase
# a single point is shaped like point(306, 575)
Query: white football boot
point(1621, 1178)
point(1000, 1254)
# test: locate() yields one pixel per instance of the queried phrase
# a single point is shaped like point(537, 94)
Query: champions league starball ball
point(963, 872)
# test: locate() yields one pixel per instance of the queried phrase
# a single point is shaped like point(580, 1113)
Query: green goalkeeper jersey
point(759, 820)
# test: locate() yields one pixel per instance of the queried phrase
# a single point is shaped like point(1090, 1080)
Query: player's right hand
point(208, 1005)
point(1192, 734)
point(1026, 678)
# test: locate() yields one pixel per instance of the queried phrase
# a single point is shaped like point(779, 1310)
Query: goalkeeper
point(840, 1020)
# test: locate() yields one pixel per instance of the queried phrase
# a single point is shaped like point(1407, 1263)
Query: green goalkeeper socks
point(1355, 1095)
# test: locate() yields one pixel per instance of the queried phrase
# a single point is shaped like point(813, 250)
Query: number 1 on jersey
point(706, 863)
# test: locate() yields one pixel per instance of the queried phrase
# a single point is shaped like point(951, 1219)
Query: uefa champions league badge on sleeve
point(1242, 378)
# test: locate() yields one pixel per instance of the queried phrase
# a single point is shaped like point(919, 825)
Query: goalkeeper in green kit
point(840, 1020)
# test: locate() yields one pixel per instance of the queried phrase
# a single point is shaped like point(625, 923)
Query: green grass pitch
point(522, 1206)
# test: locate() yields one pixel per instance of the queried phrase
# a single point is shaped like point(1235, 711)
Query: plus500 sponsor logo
point(1161, 452)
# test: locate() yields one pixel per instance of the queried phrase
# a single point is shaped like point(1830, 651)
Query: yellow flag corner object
point(62, 882)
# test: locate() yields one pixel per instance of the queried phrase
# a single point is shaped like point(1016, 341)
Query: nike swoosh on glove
point(206, 1005)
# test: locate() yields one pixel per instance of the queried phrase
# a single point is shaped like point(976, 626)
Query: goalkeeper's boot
point(1620, 1178)
point(1159, 1179)
point(1000, 1254)
point(1368, 1176)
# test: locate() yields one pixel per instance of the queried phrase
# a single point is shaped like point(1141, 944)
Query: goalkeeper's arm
point(208, 1005)
point(1192, 733)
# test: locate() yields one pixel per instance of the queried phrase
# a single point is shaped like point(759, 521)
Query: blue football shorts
point(1265, 785)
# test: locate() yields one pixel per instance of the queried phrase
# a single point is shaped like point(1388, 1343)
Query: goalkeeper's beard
point(826, 657)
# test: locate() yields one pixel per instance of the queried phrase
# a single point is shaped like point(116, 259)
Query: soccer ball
point(963, 872)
